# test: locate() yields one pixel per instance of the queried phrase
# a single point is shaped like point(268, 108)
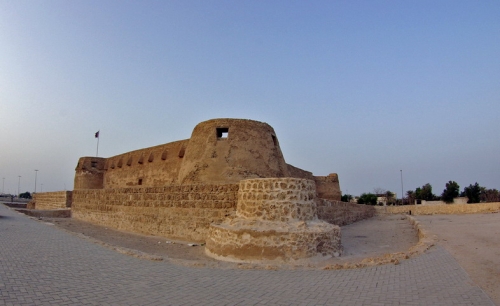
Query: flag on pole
point(97, 136)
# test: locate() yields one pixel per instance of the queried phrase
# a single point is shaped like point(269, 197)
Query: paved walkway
point(41, 264)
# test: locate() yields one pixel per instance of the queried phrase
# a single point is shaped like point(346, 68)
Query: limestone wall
point(343, 213)
point(275, 220)
point(458, 200)
point(328, 187)
point(220, 151)
point(155, 166)
point(440, 209)
point(89, 173)
point(183, 212)
point(51, 200)
point(277, 199)
point(229, 150)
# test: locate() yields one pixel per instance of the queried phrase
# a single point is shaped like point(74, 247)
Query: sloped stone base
point(256, 240)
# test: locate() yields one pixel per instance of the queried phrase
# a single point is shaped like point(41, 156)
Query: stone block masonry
point(343, 213)
point(51, 200)
point(176, 211)
point(440, 209)
point(276, 219)
point(179, 189)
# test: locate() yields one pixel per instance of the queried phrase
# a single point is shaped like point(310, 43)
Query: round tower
point(229, 150)
point(89, 173)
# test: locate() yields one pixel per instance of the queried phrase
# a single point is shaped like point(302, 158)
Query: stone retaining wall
point(51, 200)
point(274, 199)
point(276, 219)
point(440, 209)
point(343, 213)
point(178, 211)
point(186, 211)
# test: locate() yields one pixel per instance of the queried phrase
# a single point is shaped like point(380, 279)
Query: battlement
point(219, 151)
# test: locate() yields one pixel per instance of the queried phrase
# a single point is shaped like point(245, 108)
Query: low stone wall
point(52, 213)
point(440, 209)
point(178, 211)
point(343, 213)
point(51, 200)
point(458, 200)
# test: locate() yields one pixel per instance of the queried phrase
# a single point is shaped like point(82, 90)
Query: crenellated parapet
point(218, 151)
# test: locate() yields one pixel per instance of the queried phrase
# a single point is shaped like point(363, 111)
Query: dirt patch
point(474, 241)
point(365, 241)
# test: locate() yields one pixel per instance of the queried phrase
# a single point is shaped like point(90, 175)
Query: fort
point(227, 185)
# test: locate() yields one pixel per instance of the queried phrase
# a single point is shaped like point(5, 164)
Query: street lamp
point(19, 186)
point(36, 172)
point(402, 194)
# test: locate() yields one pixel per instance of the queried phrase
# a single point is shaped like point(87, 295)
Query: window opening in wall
point(182, 152)
point(120, 163)
point(151, 157)
point(164, 155)
point(222, 133)
point(93, 164)
point(129, 162)
point(139, 182)
point(141, 159)
point(275, 141)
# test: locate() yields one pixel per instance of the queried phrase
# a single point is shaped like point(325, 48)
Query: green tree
point(452, 191)
point(346, 198)
point(424, 193)
point(411, 197)
point(368, 199)
point(473, 192)
point(25, 195)
point(489, 195)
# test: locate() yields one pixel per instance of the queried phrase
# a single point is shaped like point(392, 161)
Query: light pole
point(3, 185)
point(402, 194)
point(36, 172)
point(19, 186)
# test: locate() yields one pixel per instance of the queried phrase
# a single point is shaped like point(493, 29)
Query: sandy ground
point(365, 239)
point(474, 241)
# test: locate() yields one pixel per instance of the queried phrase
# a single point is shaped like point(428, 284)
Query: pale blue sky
point(360, 88)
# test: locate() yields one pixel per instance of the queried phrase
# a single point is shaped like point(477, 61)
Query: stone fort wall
point(176, 211)
point(343, 213)
point(184, 211)
point(440, 209)
point(51, 200)
point(178, 189)
point(219, 151)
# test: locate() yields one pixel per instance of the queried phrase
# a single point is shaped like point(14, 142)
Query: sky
point(374, 91)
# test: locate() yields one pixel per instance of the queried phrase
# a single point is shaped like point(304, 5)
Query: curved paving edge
point(425, 242)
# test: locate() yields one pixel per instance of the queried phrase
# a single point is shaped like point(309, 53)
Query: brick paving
point(43, 265)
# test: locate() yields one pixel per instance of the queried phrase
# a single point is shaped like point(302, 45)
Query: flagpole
point(97, 136)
